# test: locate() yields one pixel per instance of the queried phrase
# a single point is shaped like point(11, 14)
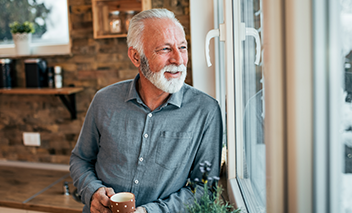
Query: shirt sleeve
point(209, 150)
point(83, 158)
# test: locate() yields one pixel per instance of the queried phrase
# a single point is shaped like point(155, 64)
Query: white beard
point(158, 79)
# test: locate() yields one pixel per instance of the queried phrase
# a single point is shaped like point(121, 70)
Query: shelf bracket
point(70, 103)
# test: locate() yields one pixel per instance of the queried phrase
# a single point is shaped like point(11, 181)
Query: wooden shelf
point(69, 101)
point(112, 36)
point(41, 91)
point(102, 8)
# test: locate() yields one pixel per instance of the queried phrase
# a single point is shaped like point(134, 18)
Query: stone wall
point(93, 64)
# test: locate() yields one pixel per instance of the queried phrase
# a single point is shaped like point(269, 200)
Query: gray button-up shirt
point(126, 146)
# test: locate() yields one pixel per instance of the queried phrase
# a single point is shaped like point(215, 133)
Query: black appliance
point(36, 73)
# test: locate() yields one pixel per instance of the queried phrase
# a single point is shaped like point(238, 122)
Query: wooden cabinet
point(102, 10)
point(36, 188)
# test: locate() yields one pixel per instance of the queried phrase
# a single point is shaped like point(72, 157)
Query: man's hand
point(101, 200)
point(141, 210)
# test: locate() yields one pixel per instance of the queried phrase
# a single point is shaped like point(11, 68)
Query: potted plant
point(211, 201)
point(22, 36)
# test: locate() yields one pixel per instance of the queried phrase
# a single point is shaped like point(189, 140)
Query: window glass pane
point(50, 19)
point(346, 32)
point(252, 181)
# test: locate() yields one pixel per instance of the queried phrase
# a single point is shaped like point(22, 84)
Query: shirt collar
point(174, 99)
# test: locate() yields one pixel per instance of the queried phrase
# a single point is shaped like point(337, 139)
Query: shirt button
point(145, 135)
point(140, 159)
point(136, 181)
point(150, 115)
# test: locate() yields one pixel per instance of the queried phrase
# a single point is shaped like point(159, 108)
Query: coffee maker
point(36, 73)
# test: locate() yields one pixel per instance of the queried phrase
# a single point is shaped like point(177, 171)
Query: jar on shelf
point(58, 77)
point(129, 15)
point(115, 22)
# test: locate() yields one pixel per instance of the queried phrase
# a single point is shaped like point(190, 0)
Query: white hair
point(136, 27)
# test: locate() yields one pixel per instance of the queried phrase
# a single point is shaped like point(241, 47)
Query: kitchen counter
point(37, 190)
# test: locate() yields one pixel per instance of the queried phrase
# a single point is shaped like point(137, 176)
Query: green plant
point(211, 200)
point(25, 27)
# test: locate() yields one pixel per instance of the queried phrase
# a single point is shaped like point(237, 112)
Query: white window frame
point(37, 49)
point(327, 98)
point(41, 49)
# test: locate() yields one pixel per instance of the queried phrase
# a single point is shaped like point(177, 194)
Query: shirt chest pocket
point(173, 149)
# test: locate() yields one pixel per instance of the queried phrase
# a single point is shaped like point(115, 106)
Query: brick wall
point(92, 65)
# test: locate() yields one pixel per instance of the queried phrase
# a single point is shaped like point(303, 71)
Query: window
point(303, 162)
point(249, 104)
point(50, 18)
point(346, 117)
point(333, 136)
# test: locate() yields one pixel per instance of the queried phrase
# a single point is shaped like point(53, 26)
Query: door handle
point(212, 34)
point(253, 32)
point(220, 33)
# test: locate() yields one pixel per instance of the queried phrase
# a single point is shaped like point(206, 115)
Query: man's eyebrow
point(162, 45)
point(169, 44)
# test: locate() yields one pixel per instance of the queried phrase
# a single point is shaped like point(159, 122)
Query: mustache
point(175, 68)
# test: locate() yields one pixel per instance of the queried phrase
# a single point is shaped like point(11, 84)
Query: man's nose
point(176, 57)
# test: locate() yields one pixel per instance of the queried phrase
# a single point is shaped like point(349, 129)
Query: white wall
point(201, 15)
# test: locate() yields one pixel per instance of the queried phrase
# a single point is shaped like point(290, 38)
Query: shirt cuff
point(89, 191)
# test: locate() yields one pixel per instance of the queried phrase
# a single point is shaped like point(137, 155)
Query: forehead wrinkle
point(170, 29)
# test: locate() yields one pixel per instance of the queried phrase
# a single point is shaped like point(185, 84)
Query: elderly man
point(148, 135)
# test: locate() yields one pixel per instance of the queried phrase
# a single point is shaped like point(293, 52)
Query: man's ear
point(134, 56)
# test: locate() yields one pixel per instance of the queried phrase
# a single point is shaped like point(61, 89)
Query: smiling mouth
point(173, 72)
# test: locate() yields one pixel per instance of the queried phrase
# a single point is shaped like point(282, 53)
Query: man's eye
point(165, 49)
point(183, 47)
